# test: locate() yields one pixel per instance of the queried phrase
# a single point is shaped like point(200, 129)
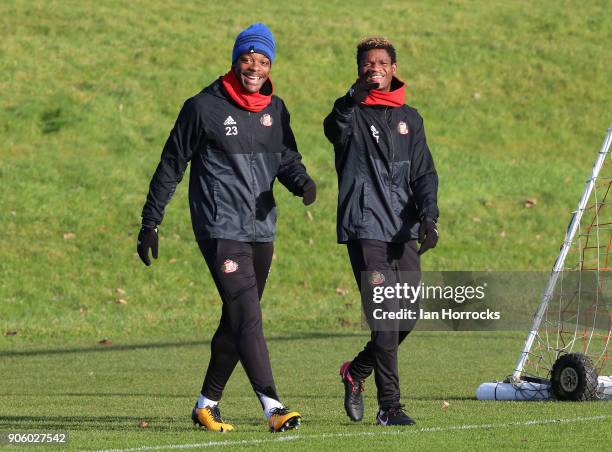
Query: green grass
point(515, 97)
point(100, 394)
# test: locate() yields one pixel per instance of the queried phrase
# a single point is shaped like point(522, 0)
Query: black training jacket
point(387, 181)
point(235, 157)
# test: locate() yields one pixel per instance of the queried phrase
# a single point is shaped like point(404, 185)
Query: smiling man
point(387, 202)
point(237, 135)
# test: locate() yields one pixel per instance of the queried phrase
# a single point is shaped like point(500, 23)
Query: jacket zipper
point(391, 163)
point(251, 161)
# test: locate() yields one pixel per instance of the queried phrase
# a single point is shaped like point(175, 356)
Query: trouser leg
point(223, 359)
point(363, 364)
point(239, 270)
point(380, 353)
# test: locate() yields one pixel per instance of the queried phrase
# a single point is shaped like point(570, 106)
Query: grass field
point(515, 97)
point(101, 394)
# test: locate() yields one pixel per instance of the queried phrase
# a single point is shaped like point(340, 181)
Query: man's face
point(376, 66)
point(252, 69)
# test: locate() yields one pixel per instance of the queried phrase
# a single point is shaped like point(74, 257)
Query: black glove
point(428, 234)
point(360, 90)
point(307, 189)
point(147, 239)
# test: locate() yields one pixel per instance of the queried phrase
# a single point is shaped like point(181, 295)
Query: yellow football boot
point(209, 417)
point(282, 419)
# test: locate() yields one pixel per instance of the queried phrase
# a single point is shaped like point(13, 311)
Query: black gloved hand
point(147, 239)
point(428, 234)
point(360, 90)
point(307, 189)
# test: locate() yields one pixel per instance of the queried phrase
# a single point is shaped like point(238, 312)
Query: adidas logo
point(229, 121)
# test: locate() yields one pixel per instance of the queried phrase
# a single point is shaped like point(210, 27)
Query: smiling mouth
point(376, 78)
point(252, 78)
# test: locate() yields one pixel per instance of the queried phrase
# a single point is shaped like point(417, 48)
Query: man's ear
point(393, 68)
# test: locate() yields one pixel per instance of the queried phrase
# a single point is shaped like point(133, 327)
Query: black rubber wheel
point(574, 377)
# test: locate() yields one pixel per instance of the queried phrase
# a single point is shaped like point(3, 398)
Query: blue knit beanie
point(256, 38)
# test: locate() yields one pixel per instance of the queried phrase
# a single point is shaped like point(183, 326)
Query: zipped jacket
point(387, 181)
point(236, 155)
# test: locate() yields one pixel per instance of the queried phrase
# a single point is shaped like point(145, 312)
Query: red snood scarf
point(394, 98)
point(249, 101)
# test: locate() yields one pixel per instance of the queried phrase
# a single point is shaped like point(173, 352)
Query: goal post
point(556, 330)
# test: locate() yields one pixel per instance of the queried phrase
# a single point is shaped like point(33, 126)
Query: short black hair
point(375, 42)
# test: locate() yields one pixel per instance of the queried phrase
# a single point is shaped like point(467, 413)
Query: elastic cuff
point(385, 406)
point(428, 217)
point(148, 223)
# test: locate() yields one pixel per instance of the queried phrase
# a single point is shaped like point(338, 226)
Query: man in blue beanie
point(255, 39)
point(237, 135)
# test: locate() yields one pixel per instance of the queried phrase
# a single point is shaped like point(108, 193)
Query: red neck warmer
point(394, 98)
point(249, 101)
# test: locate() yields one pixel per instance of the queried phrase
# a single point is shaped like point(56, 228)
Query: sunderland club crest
point(402, 128)
point(229, 266)
point(266, 120)
point(376, 278)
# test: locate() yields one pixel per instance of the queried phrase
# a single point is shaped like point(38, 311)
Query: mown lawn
point(515, 97)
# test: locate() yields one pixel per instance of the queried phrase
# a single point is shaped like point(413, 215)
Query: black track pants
point(380, 353)
point(240, 270)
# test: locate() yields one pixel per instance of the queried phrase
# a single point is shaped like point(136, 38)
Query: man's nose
point(255, 66)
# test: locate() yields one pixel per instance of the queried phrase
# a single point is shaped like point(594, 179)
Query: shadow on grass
point(103, 395)
point(115, 423)
point(74, 423)
point(119, 347)
point(338, 396)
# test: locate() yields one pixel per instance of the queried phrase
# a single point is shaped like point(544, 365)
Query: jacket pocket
point(401, 193)
point(364, 204)
point(354, 207)
point(215, 201)
point(264, 206)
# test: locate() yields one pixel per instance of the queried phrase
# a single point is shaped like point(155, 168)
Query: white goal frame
point(514, 388)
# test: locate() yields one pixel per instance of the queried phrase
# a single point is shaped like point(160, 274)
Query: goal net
point(575, 312)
